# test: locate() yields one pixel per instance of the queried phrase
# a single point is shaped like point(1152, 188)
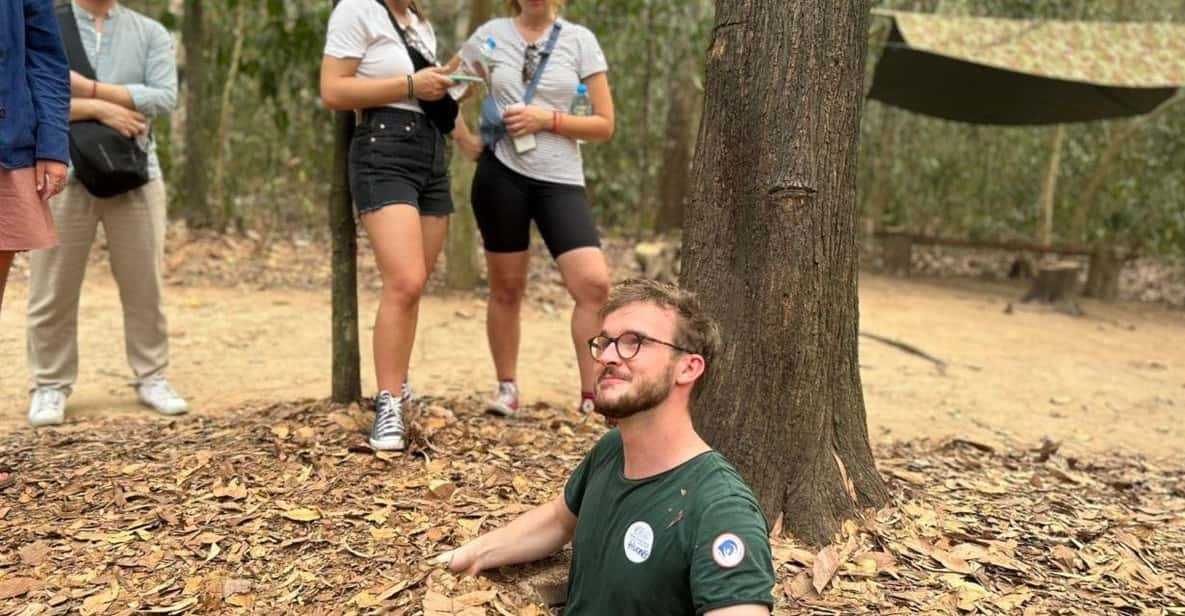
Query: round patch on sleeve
point(728, 550)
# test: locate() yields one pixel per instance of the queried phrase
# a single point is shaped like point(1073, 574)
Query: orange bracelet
point(94, 88)
point(556, 121)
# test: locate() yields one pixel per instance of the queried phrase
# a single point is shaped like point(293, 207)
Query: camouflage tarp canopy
point(1011, 71)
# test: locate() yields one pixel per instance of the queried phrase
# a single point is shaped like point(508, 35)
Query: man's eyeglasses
point(628, 344)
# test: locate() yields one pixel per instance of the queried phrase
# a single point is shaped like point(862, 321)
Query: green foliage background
point(917, 172)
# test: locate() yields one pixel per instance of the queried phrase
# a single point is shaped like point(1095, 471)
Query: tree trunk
point(676, 150)
point(198, 213)
point(1102, 279)
point(770, 247)
point(460, 250)
point(225, 207)
point(1049, 186)
point(347, 363)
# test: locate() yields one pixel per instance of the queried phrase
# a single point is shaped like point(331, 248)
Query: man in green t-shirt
point(660, 524)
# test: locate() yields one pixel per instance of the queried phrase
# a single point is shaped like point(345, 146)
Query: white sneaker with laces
point(48, 407)
point(387, 432)
point(505, 401)
point(155, 392)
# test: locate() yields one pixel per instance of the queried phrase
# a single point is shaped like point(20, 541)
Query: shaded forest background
point(264, 141)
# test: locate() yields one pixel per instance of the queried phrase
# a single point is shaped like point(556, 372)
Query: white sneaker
point(387, 432)
point(156, 393)
point(48, 407)
point(505, 402)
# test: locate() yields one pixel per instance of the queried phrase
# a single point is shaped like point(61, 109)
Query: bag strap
point(72, 40)
point(412, 52)
point(543, 57)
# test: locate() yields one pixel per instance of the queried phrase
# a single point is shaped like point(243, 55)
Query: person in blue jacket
point(34, 131)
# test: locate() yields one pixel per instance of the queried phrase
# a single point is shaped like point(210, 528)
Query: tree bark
point(770, 247)
point(197, 210)
point(460, 250)
point(1056, 284)
point(1049, 186)
point(1102, 277)
point(227, 212)
point(347, 362)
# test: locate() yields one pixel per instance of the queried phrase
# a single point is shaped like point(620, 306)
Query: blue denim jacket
point(34, 85)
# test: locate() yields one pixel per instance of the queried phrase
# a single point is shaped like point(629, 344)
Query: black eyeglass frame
point(642, 340)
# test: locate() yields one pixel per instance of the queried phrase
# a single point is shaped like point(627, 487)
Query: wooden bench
point(1102, 278)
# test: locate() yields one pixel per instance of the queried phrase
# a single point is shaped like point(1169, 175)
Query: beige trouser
point(134, 223)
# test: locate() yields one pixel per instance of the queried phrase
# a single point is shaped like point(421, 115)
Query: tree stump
point(1102, 280)
point(658, 261)
point(898, 252)
point(1056, 284)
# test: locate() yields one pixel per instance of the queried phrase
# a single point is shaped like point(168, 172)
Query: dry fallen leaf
point(826, 564)
point(35, 553)
point(99, 602)
point(441, 489)
point(14, 587)
point(303, 514)
point(799, 587)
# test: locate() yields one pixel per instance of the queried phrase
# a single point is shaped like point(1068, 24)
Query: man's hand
point(80, 87)
point(51, 178)
point(462, 560)
point(127, 121)
point(526, 120)
point(432, 84)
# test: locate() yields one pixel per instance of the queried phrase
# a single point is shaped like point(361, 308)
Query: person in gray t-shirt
point(515, 184)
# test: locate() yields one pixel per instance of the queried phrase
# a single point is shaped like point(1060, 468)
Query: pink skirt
point(25, 221)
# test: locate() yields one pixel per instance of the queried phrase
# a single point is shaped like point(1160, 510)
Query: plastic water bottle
point(478, 61)
point(487, 57)
point(581, 105)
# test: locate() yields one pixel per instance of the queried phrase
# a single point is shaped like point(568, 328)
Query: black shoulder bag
point(106, 162)
point(442, 113)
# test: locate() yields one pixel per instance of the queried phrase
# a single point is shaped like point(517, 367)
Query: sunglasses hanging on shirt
point(530, 62)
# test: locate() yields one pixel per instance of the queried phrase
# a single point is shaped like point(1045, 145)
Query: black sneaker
point(387, 433)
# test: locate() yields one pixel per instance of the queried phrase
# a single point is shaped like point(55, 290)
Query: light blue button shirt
point(136, 52)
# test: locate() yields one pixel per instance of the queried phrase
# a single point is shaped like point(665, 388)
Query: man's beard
point(645, 396)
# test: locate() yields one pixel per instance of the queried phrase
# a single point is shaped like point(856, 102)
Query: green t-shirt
point(686, 541)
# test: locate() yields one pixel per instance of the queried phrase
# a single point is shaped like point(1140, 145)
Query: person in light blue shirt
point(136, 81)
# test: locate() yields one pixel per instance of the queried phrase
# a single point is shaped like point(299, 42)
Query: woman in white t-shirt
point(380, 59)
point(514, 186)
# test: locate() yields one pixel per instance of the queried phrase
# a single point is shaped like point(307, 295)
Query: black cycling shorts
point(505, 202)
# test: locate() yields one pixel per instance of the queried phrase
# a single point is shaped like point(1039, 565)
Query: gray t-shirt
point(577, 56)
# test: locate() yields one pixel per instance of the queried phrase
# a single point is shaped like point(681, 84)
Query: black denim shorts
point(398, 156)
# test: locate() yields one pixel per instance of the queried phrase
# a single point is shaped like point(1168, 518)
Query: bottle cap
point(491, 42)
point(582, 89)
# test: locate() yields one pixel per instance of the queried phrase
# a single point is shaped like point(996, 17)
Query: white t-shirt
point(577, 56)
point(361, 29)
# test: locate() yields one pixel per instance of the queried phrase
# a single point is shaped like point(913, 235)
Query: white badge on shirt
point(639, 539)
point(728, 550)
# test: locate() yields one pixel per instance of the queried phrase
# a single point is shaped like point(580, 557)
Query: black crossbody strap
point(543, 57)
point(411, 51)
point(72, 40)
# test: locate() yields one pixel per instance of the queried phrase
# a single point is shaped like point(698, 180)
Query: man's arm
point(122, 119)
point(535, 534)
point(740, 610)
point(156, 96)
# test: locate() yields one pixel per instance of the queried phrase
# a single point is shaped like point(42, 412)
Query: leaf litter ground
point(286, 509)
